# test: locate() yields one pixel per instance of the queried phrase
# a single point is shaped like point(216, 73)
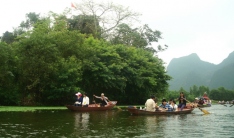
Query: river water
point(116, 123)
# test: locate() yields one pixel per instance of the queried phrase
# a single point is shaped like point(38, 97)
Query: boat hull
point(135, 111)
point(92, 107)
point(204, 105)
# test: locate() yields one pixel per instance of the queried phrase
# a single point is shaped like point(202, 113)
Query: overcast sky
point(205, 27)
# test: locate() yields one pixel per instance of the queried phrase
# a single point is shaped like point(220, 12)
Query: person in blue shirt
point(165, 106)
point(79, 99)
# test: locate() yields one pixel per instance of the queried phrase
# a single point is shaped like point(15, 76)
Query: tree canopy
point(53, 57)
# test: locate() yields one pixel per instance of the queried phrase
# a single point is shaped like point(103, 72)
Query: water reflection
point(114, 123)
point(81, 121)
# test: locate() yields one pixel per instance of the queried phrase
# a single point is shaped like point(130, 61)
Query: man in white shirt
point(150, 104)
point(85, 102)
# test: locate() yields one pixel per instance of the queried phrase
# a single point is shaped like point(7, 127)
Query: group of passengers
point(202, 101)
point(227, 102)
point(83, 101)
point(151, 104)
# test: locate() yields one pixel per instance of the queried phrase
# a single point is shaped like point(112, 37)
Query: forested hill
point(191, 70)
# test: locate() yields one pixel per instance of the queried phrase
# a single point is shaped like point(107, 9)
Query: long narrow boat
point(92, 107)
point(135, 111)
point(204, 105)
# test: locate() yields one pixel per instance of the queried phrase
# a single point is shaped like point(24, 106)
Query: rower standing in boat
point(85, 102)
point(104, 100)
point(150, 104)
point(182, 101)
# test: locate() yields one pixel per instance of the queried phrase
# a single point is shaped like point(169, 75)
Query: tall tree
point(8, 37)
point(86, 24)
point(141, 37)
point(9, 94)
point(108, 15)
point(31, 19)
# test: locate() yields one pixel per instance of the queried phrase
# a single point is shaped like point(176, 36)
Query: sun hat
point(78, 93)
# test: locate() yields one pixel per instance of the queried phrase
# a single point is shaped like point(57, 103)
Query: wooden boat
point(92, 107)
point(135, 111)
point(204, 105)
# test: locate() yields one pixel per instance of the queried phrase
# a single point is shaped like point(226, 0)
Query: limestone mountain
point(191, 70)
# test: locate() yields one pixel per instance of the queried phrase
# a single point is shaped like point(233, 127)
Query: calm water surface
point(115, 123)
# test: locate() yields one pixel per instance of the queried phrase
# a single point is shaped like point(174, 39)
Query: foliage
point(138, 37)
point(53, 57)
point(85, 24)
point(48, 60)
point(28, 108)
point(8, 88)
point(8, 37)
point(221, 94)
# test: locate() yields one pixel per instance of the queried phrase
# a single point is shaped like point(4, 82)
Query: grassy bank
point(29, 108)
point(35, 108)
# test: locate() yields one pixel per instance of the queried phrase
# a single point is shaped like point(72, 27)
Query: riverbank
point(29, 108)
point(35, 108)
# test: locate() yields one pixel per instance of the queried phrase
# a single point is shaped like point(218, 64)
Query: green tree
point(8, 37)
point(8, 89)
point(48, 67)
point(85, 24)
point(31, 19)
point(138, 37)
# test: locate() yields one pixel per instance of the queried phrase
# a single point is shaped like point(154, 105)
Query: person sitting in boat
point(79, 99)
point(196, 100)
point(150, 104)
point(85, 102)
point(165, 106)
point(104, 99)
point(182, 101)
point(173, 105)
point(170, 101)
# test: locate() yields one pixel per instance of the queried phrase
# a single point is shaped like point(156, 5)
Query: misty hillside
point(191, 70)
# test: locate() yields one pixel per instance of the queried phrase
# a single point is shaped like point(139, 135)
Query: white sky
point(205, 27)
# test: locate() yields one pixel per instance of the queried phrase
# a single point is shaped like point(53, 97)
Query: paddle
point(95, 102)
point(231, 105)
point(204, 111)
point(112, 103)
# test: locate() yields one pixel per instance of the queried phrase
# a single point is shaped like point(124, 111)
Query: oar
point(204, 111)
point(112, 103)
point(94, 102)
point(119, 108)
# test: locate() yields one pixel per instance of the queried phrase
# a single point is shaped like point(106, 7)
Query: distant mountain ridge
point(191, 70)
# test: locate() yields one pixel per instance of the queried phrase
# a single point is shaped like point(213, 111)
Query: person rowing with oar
point(182, 101)
point(104, 99)
point(194, 105)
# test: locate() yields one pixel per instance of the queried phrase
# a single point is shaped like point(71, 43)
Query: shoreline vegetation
point(36, 108)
